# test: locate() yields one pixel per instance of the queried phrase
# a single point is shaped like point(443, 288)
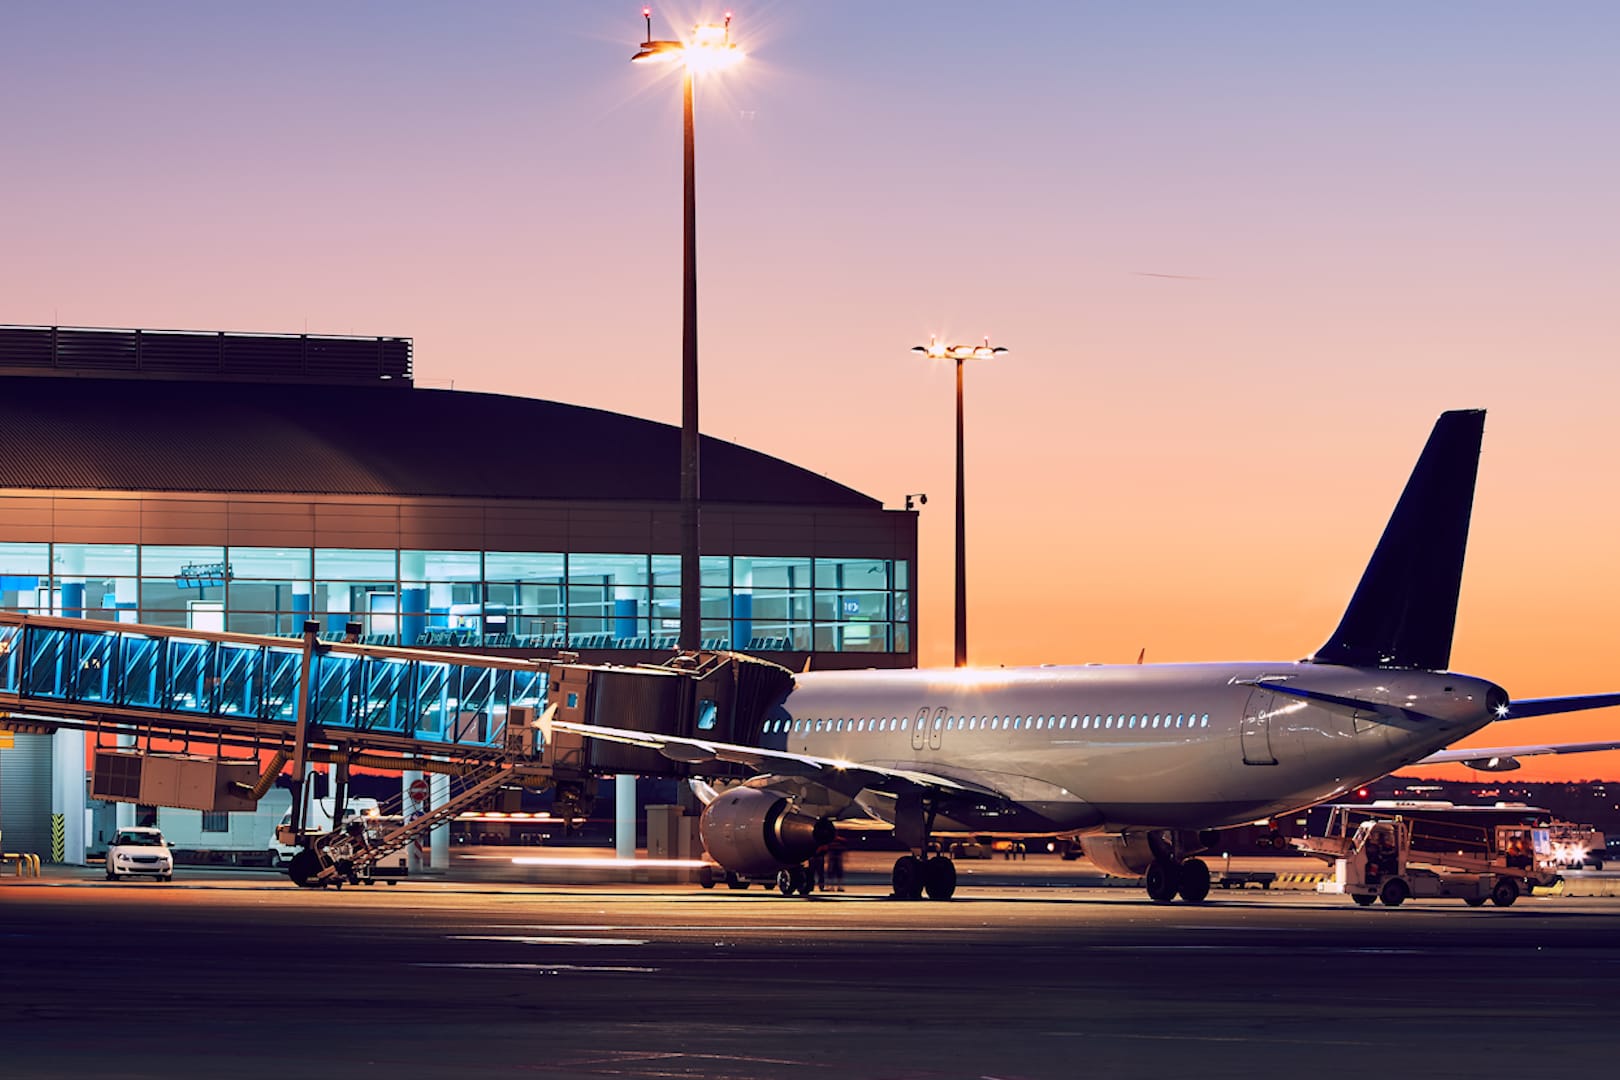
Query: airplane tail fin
point(1405, 608)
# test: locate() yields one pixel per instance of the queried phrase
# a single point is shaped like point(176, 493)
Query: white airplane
point(1141, 762)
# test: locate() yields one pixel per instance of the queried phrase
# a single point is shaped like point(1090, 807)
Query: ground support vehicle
point(1576, 847)
point(1376, 860)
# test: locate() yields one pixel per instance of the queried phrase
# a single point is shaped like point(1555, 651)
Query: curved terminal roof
point(236, 437)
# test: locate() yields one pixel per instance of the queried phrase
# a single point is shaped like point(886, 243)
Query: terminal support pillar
point(67, 797)
point(624, 816)
point(68, 803)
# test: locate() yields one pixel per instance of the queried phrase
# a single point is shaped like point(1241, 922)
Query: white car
point(139, 851)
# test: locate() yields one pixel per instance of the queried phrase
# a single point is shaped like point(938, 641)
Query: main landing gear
point(914, 876)
point(1167, 877)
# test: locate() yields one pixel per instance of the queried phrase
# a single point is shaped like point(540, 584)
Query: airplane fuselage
point(1108, 748)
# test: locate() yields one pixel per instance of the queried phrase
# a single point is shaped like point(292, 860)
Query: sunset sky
point(1243, 254)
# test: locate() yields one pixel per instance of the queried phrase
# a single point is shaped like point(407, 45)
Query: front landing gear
point(1165, 878)
point(914, 876)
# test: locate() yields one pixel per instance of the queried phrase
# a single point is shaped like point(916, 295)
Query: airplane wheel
point(1394, 892)
point(1474, 901)
point(705, 878)
point(939, 878)
point(1192, 881)
point(907, 878)
point(1505, 892)
point(804, 882)
point(1160, 881)
point(1364, 899)
point(735, 882)
point(784, 882)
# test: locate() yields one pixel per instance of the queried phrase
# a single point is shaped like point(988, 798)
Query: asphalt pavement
point(242, 974)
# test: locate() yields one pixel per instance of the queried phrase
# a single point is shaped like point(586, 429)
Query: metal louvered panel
point(25, 347)
point(179, 354)
point(197, 355)
point(96, 350)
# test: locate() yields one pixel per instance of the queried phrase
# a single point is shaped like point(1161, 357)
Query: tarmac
point(1036, 969)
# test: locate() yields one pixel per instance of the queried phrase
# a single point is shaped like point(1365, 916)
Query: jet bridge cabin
point(720, 696)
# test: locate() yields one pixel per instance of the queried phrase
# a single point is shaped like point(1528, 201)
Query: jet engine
point(1119, 854)
point(756, 833)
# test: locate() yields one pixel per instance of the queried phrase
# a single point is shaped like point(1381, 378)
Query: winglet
point(1404, 610)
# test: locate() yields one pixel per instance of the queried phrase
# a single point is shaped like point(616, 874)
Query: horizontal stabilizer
point(1551, 706)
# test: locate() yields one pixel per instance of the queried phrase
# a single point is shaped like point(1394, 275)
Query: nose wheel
point(795, 879)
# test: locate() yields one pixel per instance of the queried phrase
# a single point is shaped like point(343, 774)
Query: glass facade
point(493, 599)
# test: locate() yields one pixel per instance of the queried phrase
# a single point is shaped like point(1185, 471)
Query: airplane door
point(1257, 729)
point(919, 730)
point(937, 732)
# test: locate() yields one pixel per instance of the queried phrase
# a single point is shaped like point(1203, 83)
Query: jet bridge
point(186, 718)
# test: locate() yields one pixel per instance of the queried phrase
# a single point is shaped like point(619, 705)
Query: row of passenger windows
point(996, 723)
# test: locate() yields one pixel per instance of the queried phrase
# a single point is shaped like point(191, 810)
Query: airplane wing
point(1505, 758)
point(847, 775)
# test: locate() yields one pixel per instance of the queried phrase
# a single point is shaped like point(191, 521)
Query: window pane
point(270, 564)
point(852, 574)
point(355, 564)
point(96, 581)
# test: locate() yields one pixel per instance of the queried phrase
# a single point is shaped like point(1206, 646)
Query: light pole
point(709, 49)
point(960, 353)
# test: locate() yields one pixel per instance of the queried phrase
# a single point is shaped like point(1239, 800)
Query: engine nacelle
point(756, 833)
point(1120, 855)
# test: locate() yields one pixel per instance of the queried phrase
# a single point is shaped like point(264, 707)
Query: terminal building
point(248, 483)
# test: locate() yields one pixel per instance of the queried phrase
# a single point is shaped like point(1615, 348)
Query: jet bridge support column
point(300, 758)
point(624, 816)
point(439, 849)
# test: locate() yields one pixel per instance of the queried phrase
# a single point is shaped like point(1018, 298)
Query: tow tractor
point(1379, 856)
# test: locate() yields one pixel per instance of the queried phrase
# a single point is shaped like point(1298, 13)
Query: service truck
point(1381, 854)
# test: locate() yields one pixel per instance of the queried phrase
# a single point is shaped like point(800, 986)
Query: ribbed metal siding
point(25, 795)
